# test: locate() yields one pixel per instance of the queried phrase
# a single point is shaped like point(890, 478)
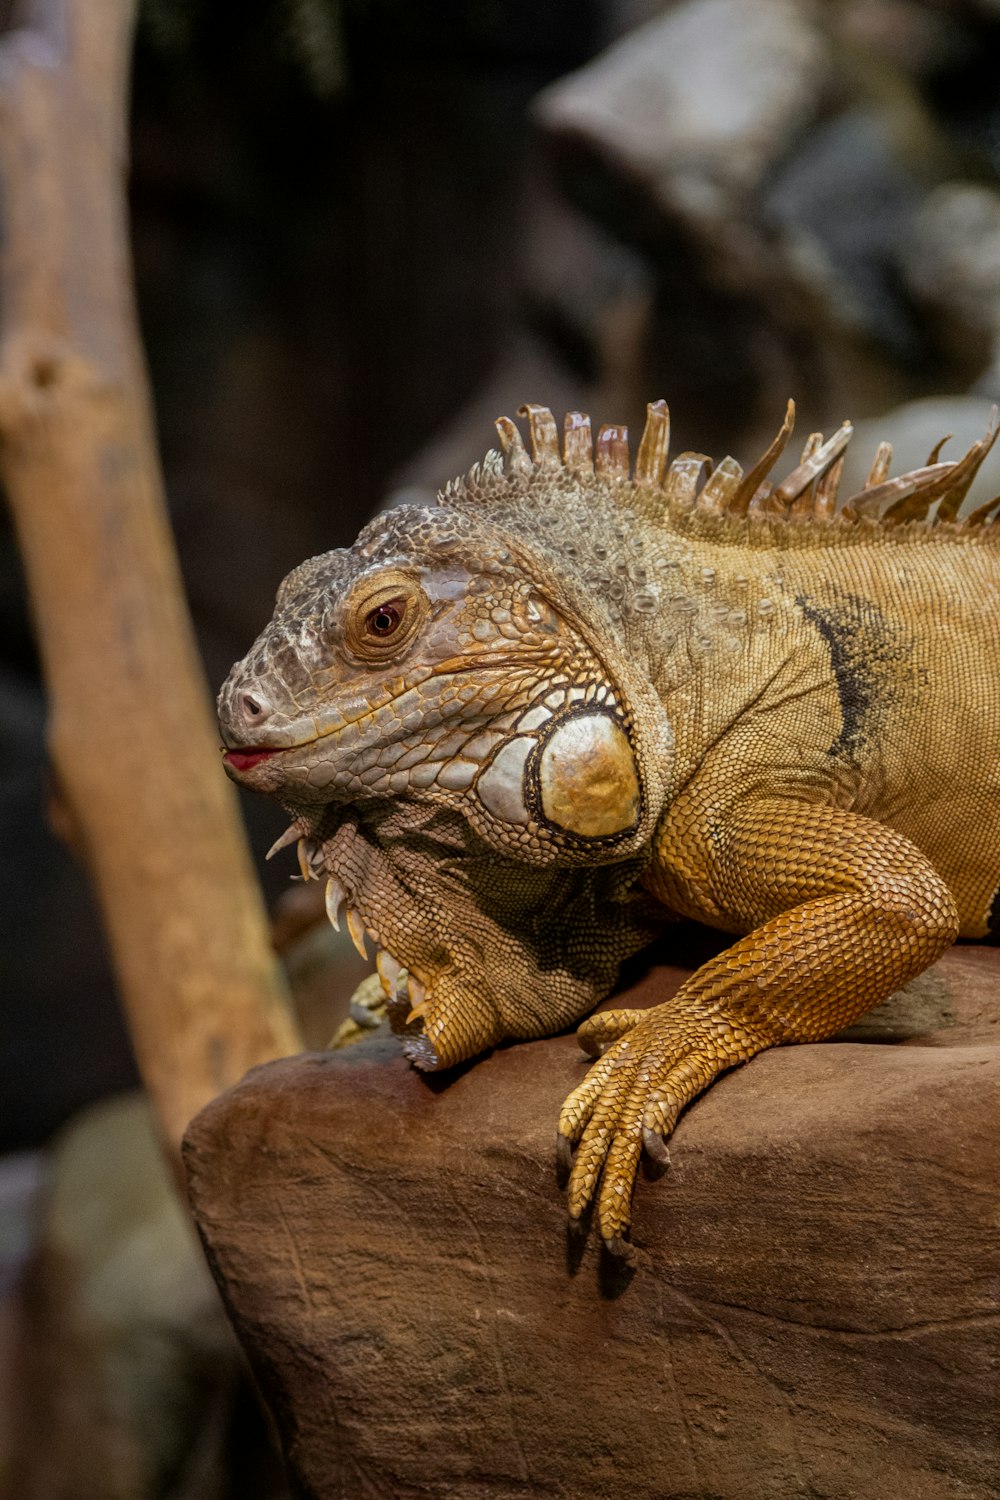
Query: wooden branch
point(131, 734)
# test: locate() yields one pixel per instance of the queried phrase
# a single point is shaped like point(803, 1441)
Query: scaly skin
point(522, 730)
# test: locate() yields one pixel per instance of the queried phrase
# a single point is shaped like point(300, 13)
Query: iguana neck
point(694, 626)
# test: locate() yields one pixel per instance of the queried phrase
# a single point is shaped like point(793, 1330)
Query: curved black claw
point(621, 1249)
point(564, 1159)
point(655, 1147)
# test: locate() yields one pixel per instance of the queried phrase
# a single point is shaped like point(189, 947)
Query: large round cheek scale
point(587, 777)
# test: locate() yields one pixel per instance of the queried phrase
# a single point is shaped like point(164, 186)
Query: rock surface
point(814, 1309)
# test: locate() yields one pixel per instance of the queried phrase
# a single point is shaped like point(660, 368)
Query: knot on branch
point(38, 375)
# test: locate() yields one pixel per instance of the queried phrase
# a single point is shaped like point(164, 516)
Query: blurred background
point(364, 228)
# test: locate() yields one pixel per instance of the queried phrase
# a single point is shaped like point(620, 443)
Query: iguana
point(524, 728)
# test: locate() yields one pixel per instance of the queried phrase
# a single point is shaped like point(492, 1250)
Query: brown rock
point(813, 1311)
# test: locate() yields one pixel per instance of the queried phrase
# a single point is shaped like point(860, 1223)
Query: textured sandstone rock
point(814, 1310)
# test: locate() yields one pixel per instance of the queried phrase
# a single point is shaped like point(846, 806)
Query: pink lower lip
point(243, 760)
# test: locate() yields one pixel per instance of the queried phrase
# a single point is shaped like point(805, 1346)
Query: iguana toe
point(356, 928)
point(390, 972)
point(578, 1109)
point(614, 1215)
point(598, 1032)
point(564, 1158)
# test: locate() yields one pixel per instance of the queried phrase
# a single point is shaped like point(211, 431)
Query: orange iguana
point(521, 729)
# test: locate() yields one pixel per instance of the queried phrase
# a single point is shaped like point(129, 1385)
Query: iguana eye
point(385, 618)
point(383, 614)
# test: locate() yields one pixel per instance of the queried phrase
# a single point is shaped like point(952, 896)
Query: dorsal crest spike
point(718, 492)
point(909, 497)
point(812, 444)
point(906, 498)
point(611, 455)
point(762, 503)
point(740, 502)
point(981, 516)
point(654, 447)
point(801, 504)
point(816, 463)
point(879, 471)
point(578, 444)
point(697, 493)
point(515, 457)
point(965, 471)
point(825, 498)
point(684, 479)
point(934, 456)
point(543, 435)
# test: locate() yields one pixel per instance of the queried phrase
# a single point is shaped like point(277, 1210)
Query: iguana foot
point(442, 1021)
point(632, 1097)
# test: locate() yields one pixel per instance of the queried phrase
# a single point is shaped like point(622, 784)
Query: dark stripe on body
point(870, 662)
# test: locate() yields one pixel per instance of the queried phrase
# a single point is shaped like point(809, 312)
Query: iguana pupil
point(385, 619)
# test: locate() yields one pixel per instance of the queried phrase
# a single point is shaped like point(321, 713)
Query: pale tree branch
point(131, 733)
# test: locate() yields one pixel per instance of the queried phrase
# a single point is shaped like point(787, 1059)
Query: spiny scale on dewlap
point(519, 729)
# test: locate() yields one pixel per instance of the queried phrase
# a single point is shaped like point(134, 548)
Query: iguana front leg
point(844, 910)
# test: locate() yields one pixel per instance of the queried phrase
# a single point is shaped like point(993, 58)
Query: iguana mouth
point(243, 757)
point(244, 760)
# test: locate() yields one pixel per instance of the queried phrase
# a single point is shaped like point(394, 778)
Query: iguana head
point(454, 698)
point(429, 662)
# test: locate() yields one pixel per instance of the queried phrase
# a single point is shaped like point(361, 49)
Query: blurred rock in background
point(122, 1379)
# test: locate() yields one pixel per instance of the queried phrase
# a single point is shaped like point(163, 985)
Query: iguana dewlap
point(523, 728)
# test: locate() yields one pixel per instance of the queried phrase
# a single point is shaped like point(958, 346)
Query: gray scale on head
point(500, 788)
